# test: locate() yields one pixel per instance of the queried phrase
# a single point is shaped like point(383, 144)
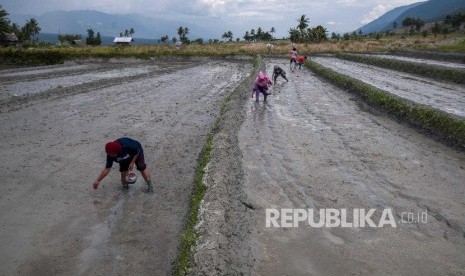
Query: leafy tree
point(90, 37)
point(68, 38)
point(413, 22)
point(259, 34)
point(93, 39)
point(247, 36)
point(164, 38)
point(445, 30)
point(457, 20)
point(294, 35)
point(252, 35)
point(98, 39)
point(436, 29)
point(199, 41)
point(319, 33)
point(4, 22)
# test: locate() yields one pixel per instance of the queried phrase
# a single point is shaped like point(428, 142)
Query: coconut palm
point(30, 30)
point(303, 24)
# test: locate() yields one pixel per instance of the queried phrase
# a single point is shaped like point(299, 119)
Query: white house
point(127, 40)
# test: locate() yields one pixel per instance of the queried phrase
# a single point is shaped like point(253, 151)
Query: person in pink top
point(293, 56)
point(262, 82)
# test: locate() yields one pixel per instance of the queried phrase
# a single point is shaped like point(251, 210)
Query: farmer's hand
point(131, 166)
point(95, 185)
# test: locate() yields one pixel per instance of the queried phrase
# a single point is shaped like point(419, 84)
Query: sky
point(238, 16)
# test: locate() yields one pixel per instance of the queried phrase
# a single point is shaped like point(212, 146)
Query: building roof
point(11, 37)
point(126, 39)
point(79, 42)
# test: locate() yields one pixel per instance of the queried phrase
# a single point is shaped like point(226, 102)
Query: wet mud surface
point(448, 97)
point(51, 220)
point(312, 146)
point(445, 64)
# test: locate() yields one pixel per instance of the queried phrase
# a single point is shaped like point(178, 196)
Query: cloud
point(240, 15)
point(375, 13)
point(381, 8)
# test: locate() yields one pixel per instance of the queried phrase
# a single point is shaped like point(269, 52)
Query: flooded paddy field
point(458, 65)
point(309, 146)
point(448, 97)
point(312, 146)
point(51, 221)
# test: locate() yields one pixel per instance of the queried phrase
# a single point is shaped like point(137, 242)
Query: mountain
point(428, 11)
point(433, 10)
point(79, 21)
point(386, 20)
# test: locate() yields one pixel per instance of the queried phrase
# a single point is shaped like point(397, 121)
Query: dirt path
point(51, 221)
point(313, 146)
point(447, 97)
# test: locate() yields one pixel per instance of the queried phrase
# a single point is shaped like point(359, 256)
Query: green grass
point(441, 125)
point(189, 236)
point(53, 54)
point(423, 70)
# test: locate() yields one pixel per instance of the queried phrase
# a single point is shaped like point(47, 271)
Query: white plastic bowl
point(131, 178)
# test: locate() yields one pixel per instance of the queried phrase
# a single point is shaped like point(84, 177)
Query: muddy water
point(312, 146)
point(51, 220)
point(452, 65)
point(447, 97)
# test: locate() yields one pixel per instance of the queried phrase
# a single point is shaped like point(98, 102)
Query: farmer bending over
point(278, 71)
point(126, 152)
point(262, 82)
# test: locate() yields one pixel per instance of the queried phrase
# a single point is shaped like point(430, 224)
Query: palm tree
point(228, 35)
point(183, 32)
point(303, 24)
point(30, 29)
point(272, 31)
point(247, 36)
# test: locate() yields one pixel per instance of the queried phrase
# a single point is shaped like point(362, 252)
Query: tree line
point(27, 33)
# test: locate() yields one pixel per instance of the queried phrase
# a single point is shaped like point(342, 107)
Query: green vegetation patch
point(189, 235)
point(441, 125)
point(423, 70)
point(32, 56)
